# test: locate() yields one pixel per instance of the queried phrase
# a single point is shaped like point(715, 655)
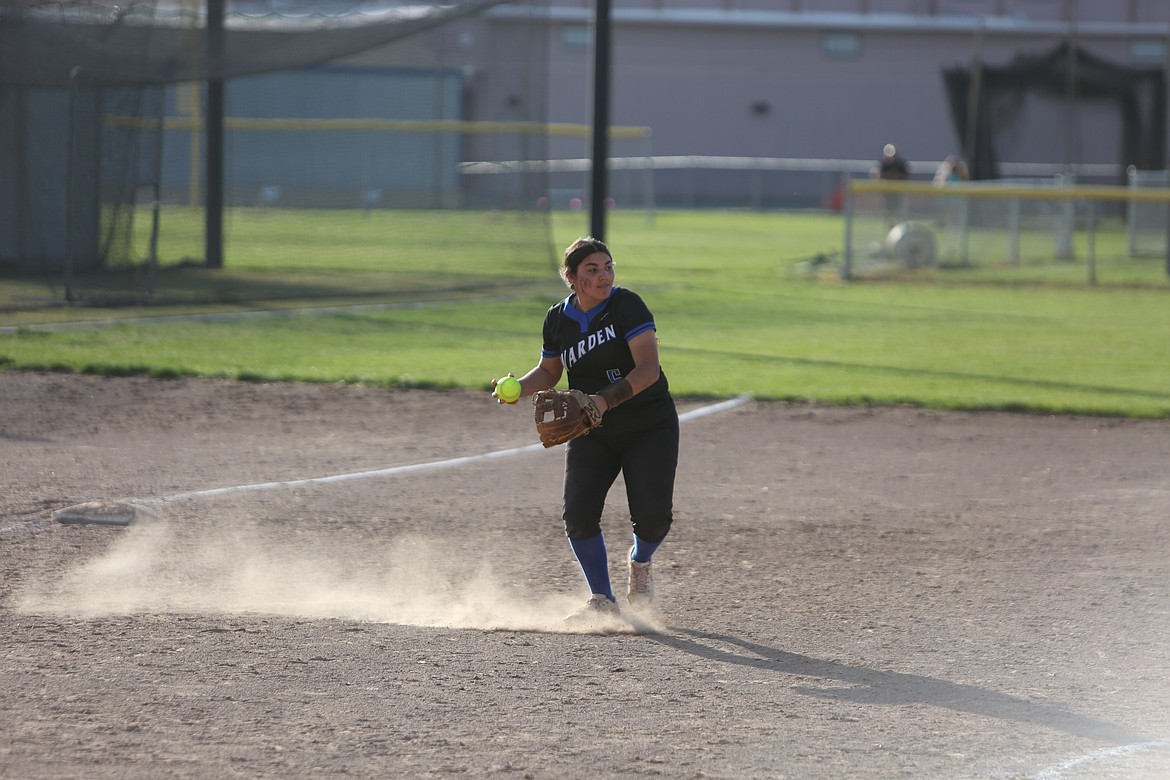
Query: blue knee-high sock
point(643, 549)
point(591, 555)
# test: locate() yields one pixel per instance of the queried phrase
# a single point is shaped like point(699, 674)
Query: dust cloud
point(159, 567)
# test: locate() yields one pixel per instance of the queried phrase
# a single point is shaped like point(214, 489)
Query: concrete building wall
point(835, 78)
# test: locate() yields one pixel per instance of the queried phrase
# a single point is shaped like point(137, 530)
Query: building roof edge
point(847, 21)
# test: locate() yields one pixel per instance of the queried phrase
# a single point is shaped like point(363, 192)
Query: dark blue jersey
point(594, 348)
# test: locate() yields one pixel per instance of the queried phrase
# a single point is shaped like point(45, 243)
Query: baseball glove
point(562, 415)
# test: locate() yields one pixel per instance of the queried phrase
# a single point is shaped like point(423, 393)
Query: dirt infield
point(847, 593)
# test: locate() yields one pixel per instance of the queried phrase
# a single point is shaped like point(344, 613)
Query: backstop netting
point(113, 166)
point(347, 131)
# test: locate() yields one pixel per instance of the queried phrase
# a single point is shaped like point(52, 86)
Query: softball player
point(604, 336)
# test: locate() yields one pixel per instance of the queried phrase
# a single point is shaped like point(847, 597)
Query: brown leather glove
point(562, 415)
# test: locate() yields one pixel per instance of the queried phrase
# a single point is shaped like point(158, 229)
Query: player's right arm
point(543, 376)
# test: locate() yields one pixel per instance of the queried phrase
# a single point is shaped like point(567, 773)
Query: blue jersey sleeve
point(633, 315)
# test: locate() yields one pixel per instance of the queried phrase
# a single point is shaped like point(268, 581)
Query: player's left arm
point(644, 349)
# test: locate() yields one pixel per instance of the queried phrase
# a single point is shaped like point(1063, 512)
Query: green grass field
point(733, 314)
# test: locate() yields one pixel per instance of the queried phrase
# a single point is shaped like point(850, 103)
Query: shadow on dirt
point(876, 687)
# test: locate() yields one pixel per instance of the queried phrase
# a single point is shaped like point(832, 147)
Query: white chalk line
point(412, 468)
point(392, 471)
point(1056, 772)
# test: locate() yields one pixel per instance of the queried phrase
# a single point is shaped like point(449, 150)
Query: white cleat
point(641, 590)
point(598, 613)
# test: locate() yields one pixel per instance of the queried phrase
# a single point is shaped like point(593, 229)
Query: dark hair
point(577, 251)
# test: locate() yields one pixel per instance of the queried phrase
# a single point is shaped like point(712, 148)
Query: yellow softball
point(508, 389)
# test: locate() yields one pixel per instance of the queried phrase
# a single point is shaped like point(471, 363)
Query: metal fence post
point(847, 260)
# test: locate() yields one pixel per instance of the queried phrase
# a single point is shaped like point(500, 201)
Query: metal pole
point(1092, 242)
point(213, 213)
point(71, 184)
point(1166, 161)
point(964, 231)
point(1072, 136)
point(156, 202)
point(601, 74)
point(974, 84)
point(847, 260)
point(1014, 231)
point(648, 174)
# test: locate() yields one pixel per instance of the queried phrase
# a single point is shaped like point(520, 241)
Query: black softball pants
point(647, 460)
